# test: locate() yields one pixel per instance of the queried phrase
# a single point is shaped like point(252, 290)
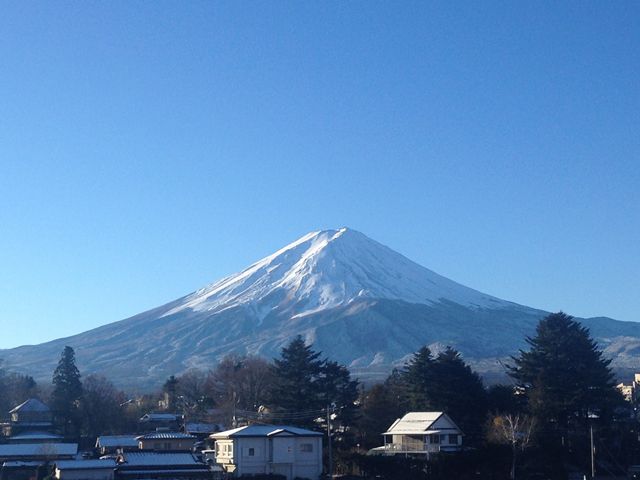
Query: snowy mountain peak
point(326, 269)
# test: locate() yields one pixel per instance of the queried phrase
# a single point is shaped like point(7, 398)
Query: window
point(251, 452)
point(453, 439)
point(306, 447)
point(435, 438)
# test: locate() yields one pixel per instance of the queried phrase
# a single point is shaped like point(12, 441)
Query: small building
point(150, 422)
point(627, 391)
point(201, 430)
point(102, 469)
point(25, 461)
point(109, 444)
point(167, 441)
point(270, 449)
point(422, 433)
point(156, 466)
point(44, 452)
point(30, 416)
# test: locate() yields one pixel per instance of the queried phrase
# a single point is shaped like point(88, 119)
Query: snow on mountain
point(357, 301)
point(327, 269)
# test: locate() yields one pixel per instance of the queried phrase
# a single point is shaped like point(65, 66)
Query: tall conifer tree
point(564, 375)
point(296, 386)
point(67, 392)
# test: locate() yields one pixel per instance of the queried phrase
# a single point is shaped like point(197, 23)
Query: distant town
point(562, 415)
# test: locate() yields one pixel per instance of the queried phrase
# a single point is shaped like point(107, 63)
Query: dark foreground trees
point(569, 388)
point(564, 376)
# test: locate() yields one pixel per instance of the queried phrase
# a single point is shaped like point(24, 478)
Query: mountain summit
point(328, 269)
point(357, 301)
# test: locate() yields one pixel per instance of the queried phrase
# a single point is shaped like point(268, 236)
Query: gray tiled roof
point(266, 431)
point(165, 436)
point(112, 441)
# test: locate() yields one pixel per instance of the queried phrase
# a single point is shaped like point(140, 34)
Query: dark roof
point(201, 427)
point(86, 464)
point(160, 417)
point(166, 436)
point(112, 441)
point(17, 450)
point(35, 436)
point(155, 459)
point(31, 405)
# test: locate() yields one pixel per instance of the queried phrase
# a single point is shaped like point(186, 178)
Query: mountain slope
point(358, 301)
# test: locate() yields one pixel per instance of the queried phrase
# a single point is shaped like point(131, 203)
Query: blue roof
point(86, 464)
point(155, 459)
point(113, 441)
point(37, 450)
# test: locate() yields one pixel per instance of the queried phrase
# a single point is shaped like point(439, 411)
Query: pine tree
point(296, 388)
point(564, 375)
point(446, 383)
point(67, 392)
point(416, 377)
point(457, 390)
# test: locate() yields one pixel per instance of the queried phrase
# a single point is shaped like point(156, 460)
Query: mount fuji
point(356, 300)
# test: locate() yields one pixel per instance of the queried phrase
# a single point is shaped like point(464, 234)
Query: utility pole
point(593, 459)
point(329, 442)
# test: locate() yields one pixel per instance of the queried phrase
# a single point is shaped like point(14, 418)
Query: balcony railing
point(412, 448)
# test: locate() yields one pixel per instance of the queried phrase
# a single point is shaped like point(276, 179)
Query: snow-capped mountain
point(356, 300)
point(328, 269)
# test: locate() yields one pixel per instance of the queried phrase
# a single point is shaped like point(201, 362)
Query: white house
point(422, 433)
point(285, 450)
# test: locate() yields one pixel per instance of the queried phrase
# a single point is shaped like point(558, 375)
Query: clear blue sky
point(149, 148)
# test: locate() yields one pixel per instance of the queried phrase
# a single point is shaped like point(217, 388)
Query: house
point(20, 470)
point(150, 422)
point(38, 451)
point(169, 441)
point(24, 461)
point(31, 416)
point(201, 430)
point(102, 469)
point(264, 449)
point(108, 444)
point(422, 433)
point(627, 391)
point(156, 465)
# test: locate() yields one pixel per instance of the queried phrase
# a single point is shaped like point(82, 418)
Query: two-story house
point(264, 449)
point(422, 433)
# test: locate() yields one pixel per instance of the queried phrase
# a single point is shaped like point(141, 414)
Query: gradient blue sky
point(149, 148)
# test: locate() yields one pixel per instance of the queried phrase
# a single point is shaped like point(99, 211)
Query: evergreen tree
point(416, 377)
point(446, 383)
point(564, 375)
point(457, 390)
point(296, 392)
point(67, 392)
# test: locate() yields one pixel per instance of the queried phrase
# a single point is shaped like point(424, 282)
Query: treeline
point(560, 389)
